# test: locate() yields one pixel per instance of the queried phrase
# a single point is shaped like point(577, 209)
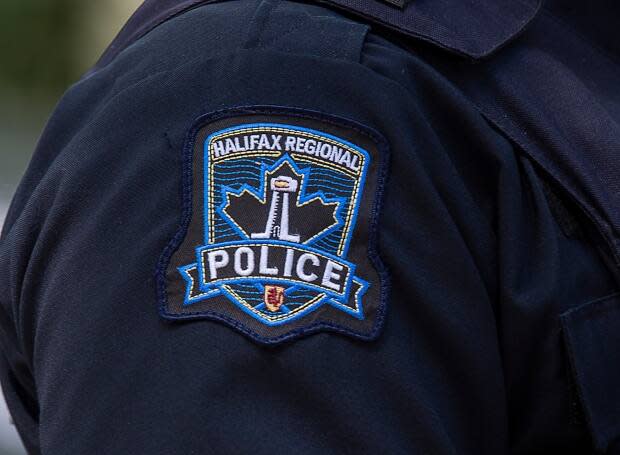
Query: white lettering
point(329, 275)
point(230, 145)
point(249, 260)
point(217, 259)
point(335, 154)
point(238, 147)
point(288, 263)
point(263, 267)
point(254, 141)
point(326, 150)
point(301, 264)
point(276, 138)
point(263, 143)
point(299, 147)
point(289, 145)
point(218, 148)
point(345, 159)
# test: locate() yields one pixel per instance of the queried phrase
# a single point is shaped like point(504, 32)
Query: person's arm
point(108, 354)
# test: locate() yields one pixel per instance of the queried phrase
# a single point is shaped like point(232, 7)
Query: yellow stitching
point(357, 298)
point(273, 318)
point(329, 164)
point(284, 130)
point(192, 285)
point(249, 153)
point(353, 202)
point(358, 302)
point(243, 302)
point(278, 279)
point(347, 224)
point(252, 153)
point(281, 130)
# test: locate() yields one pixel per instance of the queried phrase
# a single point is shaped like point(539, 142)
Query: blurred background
point(45, 46)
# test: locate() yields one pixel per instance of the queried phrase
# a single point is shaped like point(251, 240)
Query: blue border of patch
point(373, 253)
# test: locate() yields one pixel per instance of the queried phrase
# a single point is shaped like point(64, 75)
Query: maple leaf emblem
point(282, 212)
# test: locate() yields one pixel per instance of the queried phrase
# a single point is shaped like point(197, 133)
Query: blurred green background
point(45, 46)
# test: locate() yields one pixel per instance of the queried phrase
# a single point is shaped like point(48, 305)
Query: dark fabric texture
point(472, 359)
point(474, 29)
point(591, 334)
point(558, 99)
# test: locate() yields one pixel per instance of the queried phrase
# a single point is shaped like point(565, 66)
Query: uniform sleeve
point(16, 376)
point(476, 258)
point(18, 390)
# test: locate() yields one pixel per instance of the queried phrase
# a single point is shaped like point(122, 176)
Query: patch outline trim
point(186, 215)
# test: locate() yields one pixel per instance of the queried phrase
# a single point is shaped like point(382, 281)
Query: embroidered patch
point(278, 236)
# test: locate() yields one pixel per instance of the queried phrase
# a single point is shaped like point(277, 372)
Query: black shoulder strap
point(474, 29)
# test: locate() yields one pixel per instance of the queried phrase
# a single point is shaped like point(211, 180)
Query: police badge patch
point(279, 230)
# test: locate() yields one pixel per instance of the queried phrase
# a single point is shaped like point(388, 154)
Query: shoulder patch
point(278, 237)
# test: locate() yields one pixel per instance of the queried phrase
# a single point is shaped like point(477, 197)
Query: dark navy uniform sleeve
point(487, 258)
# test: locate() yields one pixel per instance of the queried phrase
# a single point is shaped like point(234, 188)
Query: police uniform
point(325, 227)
